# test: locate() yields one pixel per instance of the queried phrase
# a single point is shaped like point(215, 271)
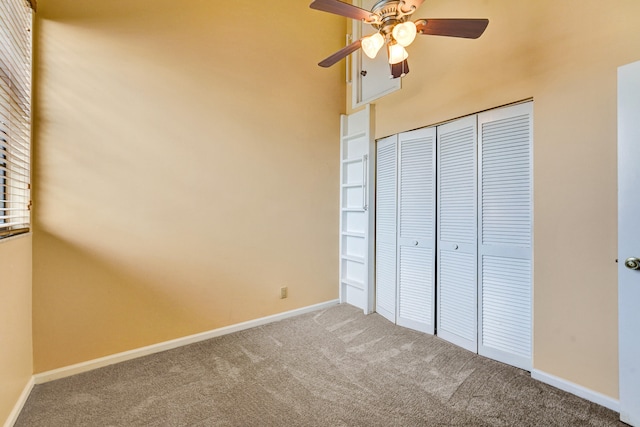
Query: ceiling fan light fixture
point(397, 53)
point(391, 22)
point(404, 33)
point(372, 44)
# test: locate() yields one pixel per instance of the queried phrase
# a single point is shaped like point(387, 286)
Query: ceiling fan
point(390, 18)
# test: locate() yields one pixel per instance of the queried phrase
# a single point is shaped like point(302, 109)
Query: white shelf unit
point(357, 199)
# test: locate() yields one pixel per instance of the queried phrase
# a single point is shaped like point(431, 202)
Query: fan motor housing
point(389, 13)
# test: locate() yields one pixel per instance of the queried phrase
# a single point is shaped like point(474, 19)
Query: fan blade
point(466, 28)
point(400, 69)
point(340, 8)
point(342, 53)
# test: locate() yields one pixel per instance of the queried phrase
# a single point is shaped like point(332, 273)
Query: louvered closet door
point(457, 236)
point(505, 230)
point(416, 229)
point(386, 207)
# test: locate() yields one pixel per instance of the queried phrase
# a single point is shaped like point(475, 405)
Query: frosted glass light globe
point(404, 33)
point(397, 54)
point(372, 44)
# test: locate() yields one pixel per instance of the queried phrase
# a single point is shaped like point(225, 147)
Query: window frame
point(16, 69)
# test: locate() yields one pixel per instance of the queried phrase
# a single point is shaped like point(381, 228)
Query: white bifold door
point(505, 224)
point(386, 226)
point(405, 229)
point(454, 232)
point(485, 206)
point(457, 235)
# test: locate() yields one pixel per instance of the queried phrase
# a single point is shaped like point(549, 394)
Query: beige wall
point(170, 200)
point(186, 169)
point(564, 54)
point(16, 362)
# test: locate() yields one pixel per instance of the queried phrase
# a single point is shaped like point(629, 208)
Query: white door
point(505, 223)
point(457, 237)
point(416, 229)
point(629, 241)
point(386, 208)
point(370, 76)
point(357, 157)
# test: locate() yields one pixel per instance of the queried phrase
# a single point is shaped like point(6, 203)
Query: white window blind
point(16, 18)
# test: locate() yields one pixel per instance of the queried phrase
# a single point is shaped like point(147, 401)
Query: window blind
point(16, 18)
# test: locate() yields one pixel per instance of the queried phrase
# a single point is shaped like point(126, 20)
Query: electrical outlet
point(283, 292)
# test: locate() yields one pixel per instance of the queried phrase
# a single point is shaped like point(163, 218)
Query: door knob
point(632, 263)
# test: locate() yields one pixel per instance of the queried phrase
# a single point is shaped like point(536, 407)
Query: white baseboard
point(17, 408)
point(578, 390)
point(90, 365)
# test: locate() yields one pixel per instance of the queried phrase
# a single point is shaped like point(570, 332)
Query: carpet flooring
point(334, 367)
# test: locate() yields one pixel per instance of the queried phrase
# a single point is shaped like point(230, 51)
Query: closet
point(453, 236)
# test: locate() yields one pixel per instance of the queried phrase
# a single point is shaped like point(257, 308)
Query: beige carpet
point(335, 367)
